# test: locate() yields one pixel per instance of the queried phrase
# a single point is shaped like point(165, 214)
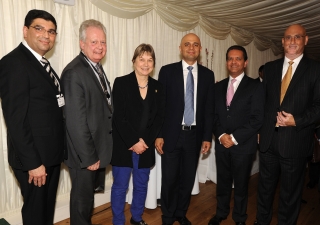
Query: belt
point(185, 127)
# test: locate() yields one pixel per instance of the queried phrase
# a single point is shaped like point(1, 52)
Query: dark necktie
point(103, 82)
point(189, 99)
point(48, 68)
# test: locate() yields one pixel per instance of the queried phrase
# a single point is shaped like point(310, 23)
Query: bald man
point(187, 128)
point(286, 136)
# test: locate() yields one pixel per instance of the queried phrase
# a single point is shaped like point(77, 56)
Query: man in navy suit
point(32, 108)
point(238, 117)
point(292, 107)
point(182, 139)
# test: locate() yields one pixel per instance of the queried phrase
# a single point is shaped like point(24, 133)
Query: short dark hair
point(35, 14)
point(238, 47)
point(261, 68)
point(141, 49)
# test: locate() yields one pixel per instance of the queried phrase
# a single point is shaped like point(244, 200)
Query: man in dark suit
point(238, 117)
point(88, 114)
point(292, 106)
point(32, 107)
point(184, 134)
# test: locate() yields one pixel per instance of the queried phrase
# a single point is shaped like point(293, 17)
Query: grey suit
point(88, 133)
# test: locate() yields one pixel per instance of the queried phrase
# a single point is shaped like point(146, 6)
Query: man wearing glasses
point(32, 107)
point(292, 107)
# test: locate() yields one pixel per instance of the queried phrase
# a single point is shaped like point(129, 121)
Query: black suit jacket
point(127, 117)
point(88, 117)
point(171, 76)
point(302, 100)
point(244, 117)
point(34, 120)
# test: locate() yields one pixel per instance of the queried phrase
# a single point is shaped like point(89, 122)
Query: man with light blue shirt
point(238, 117)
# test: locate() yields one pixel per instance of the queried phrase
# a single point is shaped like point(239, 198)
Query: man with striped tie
point(32, 107)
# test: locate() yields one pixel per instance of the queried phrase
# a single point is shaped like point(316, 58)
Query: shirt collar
point(185, 65)
point(238, 78)
point(296, 60)
point(37, 55)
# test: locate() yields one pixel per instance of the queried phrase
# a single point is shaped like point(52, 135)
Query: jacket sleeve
point(77, 127)
point(15, 94)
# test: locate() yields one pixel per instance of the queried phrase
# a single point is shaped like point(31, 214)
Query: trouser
point(121, 177)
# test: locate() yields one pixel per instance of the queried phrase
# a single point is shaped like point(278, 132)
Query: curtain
point(148, 22)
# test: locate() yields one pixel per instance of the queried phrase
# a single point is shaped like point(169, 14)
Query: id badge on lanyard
point(60, 100)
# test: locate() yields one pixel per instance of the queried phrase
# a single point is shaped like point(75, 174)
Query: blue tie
point(189, 99)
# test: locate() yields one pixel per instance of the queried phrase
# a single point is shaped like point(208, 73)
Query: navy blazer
point(171, 76)
point(302, 100)
point(244, 117)
point(35, 129)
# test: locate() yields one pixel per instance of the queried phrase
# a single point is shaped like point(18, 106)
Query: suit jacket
point(244, 117)
point(34, 120)
point(88, 117)
point(127, 117)
point(171, 76)
point(302, 100)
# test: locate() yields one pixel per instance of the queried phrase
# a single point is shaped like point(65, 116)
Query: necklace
point(144, 86)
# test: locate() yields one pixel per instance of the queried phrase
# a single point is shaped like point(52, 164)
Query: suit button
point(228, 116)
point(109, 117)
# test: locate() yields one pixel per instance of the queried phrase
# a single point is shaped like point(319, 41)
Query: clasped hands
point(285, 119)
point(159, 145)
point(226, 140)
point(139, 147)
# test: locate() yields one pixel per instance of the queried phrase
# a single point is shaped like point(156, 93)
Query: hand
point(38, 176)
point(205, 147)
point(159, 144)
point(226, 141)
point(94, 167)
point(139, 147)
point(285, 119)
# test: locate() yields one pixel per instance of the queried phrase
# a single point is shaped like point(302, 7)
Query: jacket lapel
point(89, 71)
point(277, 80)
point(303, 65)
point(179, 81)
point(37, 65)
point(241, 88)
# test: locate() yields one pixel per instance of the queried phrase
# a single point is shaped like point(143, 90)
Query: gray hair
point(90, 23)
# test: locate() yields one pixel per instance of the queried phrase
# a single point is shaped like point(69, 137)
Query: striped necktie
point(48, 68)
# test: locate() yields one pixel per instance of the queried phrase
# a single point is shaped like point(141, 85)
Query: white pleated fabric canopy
point(258, 21)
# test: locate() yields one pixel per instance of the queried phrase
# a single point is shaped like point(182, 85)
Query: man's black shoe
point(183, 221)
point(215, 220)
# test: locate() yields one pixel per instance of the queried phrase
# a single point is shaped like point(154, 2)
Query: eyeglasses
point(295, 37)
point(41, 30)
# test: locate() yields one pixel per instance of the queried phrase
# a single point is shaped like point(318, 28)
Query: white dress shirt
point(195, 81)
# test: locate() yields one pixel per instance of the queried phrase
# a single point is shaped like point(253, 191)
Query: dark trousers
point(178, 173)
point(38, 202)
point(231, 168)
point(291, 172)
point(82, 195)
point(121, 177)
